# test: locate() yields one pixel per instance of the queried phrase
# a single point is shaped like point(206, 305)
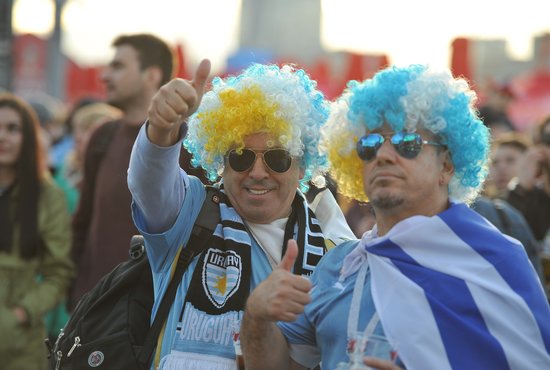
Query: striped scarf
point(453, 292)
point(220, 285)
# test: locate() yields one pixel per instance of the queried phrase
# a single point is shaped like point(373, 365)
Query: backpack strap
point(208, 218)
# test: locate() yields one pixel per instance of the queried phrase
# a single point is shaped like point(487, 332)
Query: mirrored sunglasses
point(407, 144)
point(277, 160)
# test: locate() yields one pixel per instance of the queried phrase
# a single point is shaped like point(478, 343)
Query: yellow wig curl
point(344, 169)
point(280, 101)
point(245, 112)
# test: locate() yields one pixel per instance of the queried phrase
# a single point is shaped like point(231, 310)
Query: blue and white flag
point(453, 292)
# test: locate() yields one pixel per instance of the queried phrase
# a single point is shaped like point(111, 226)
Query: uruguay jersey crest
point(221, 275)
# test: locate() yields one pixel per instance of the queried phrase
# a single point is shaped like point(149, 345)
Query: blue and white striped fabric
point(453, 292)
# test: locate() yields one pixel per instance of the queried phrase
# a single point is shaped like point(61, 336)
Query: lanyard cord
point(353, 320)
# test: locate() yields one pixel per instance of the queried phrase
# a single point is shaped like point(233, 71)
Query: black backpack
point(110, 326)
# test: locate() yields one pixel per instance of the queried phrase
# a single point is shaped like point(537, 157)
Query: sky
point(419, 31)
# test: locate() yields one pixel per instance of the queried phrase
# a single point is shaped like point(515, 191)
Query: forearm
point(156, 181)
point(264, 346)
point(163, 137)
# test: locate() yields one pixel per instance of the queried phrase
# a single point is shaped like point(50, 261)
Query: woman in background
point(35, 264)
point(85, 120)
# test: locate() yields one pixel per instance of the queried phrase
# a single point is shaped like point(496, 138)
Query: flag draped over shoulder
point(453, 292)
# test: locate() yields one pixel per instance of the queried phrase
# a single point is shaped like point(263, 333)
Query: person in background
point(360, 217)
point(441, 283)
point(257, 133)
point(531, 194)
point(494, 112)
point(59, 141)
point(85, 120)
point(87, 117)
point(60, 172)
point(102, 224)
point(35, 263)
point(506, 153)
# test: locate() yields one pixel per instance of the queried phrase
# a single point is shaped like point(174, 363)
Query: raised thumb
point(201, 76)
point(290, 256)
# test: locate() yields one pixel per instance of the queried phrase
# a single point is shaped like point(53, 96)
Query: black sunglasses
point(407, 144)
point(277, 160)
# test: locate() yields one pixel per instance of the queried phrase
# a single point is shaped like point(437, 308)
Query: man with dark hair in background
point(102, 225)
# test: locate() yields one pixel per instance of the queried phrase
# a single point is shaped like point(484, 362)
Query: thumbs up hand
point(174, 103)
point(283, 295)
point(288, 260)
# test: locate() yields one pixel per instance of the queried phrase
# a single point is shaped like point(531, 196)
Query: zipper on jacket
point(56, 344)
point(76, 344)
point(58, 356)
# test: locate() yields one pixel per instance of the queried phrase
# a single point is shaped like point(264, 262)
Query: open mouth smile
point(258, 191)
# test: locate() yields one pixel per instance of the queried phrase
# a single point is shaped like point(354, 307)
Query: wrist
point(250, 312)
point(163, 136)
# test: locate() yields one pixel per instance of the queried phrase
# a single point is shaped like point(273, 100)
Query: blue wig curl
point(282, 101)
point(407, 98)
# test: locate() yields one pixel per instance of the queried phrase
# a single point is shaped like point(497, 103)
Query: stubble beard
point(125, 100)
point(117, 103)
point(386, 202)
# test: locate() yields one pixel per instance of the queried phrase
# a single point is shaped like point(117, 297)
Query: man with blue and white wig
point(442, 284)
point(256, 134)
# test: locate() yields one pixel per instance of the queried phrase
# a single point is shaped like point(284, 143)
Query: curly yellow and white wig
point(283, 102)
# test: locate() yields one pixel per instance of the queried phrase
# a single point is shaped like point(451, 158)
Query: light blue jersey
point(323, 325)
point(161, 250)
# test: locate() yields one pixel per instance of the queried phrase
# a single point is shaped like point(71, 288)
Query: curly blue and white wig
point(283, 102)
point(408, 98)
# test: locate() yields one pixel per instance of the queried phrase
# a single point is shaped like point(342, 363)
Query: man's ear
point(447, 169)
point(153, 76)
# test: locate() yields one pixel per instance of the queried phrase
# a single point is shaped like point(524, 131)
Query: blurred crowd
point(65, 205)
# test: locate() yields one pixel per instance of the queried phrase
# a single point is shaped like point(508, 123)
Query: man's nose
point(386, 151)
point(105, 74)
point(259, 169)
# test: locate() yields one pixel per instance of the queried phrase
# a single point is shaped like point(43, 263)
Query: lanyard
point(353, 320)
